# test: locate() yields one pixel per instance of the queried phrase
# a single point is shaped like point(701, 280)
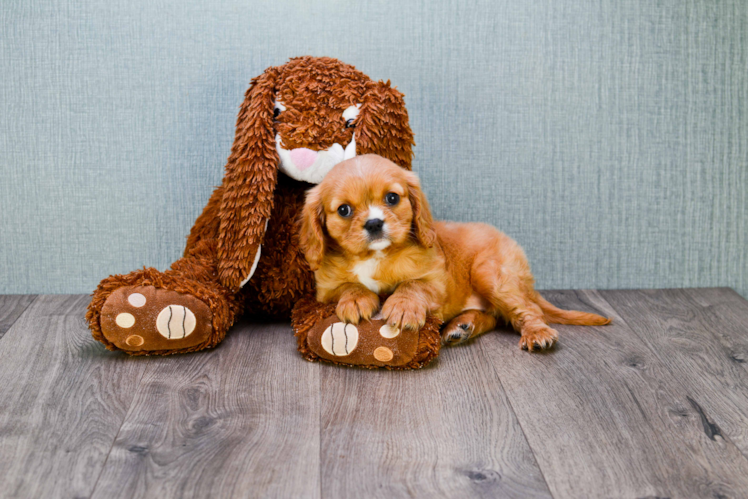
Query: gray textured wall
point(609, 137)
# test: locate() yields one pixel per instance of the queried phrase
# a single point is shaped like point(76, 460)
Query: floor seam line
point(124, 419)
point(2, 334)
point(318, 367)
point(519, 423)
point(708, 308)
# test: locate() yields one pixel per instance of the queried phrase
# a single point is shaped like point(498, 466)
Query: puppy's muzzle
point(374, 227)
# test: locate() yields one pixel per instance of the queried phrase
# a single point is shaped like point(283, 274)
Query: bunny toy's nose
point(303, 158)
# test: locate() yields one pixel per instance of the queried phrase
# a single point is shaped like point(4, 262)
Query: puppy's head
point(365, 204)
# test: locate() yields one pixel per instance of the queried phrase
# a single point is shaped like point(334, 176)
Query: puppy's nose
point(374, 225)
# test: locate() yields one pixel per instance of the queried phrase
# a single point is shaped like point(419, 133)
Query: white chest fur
point(365, 271)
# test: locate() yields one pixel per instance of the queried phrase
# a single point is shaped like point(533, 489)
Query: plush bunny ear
point(382, 127)
point(248, 184)
point(311, 235)
point(423, 223)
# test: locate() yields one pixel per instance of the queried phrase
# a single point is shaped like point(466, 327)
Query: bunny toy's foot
point(144, 319)
point(370, 344)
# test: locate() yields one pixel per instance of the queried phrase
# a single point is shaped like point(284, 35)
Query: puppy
point(367, 230)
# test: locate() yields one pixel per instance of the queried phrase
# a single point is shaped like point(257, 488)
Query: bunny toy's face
point(315, 127)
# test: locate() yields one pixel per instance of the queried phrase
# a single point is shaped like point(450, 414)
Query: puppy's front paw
point(539, 338)
point(354, 308)
point(404, 312)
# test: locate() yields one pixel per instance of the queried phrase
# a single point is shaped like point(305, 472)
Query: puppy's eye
point(349, 123)
point(392, 199)
point(345, 211)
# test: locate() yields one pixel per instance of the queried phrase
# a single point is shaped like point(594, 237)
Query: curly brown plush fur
point(254, 195)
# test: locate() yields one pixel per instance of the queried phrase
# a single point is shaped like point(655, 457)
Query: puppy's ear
point(249, 183)
point(382, 126)
point(423, 224)
point(311, 234)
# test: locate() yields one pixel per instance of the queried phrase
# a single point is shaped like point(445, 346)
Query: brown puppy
point(367, 230)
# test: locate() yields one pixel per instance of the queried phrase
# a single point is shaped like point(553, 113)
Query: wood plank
point(727, 314)
point(11, 307)
point(63, 400)
point(444, 431)
point(606, 418)
point(241, 420)
point(701, 346)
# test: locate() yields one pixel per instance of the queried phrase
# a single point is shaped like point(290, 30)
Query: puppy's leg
point(502, 276)
point(525, 316)
point(467, 325)
point(535, 333)
point(355, 303)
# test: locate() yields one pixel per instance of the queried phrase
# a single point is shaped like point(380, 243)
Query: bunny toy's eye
point(345, 211)
point(350, 114)
point(278, 109)
point(392, 199)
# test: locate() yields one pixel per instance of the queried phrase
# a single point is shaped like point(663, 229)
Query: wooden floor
point(654, 405)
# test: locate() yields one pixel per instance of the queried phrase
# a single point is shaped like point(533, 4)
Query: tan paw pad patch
point(389, 332)
point(340, 339)
point(175, 322)
point(383, 354)
point(134, 340)
point(136, 299)
point(125, 320)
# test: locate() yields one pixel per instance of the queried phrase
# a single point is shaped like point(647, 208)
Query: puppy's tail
point(555, 315)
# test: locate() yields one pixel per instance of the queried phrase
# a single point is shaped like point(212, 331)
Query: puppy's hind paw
point(457, 332)
point(542, 338)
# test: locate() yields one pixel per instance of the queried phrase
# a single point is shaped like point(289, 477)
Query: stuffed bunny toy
point(242, 256)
